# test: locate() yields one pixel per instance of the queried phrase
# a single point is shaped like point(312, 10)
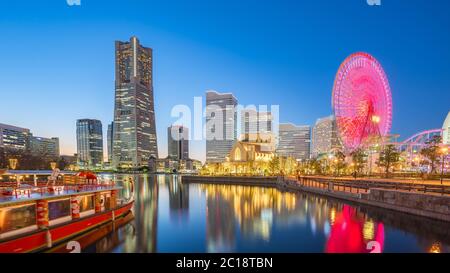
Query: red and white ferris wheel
point(361, 101)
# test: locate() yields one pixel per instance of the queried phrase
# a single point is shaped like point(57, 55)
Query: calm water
point(174, 217)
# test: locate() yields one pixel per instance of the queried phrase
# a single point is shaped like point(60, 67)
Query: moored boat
point(34, 219)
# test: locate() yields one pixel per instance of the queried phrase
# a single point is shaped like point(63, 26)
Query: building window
point(86, 203)
point(237, 155)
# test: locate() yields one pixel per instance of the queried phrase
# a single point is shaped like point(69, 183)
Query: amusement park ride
point(362, 105)
point(362, 102)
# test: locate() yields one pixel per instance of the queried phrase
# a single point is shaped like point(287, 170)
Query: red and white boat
point(34, 219)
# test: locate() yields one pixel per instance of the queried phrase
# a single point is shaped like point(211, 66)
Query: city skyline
point(303, 74)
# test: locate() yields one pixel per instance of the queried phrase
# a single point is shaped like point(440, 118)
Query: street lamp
point(444, 151)
point(13, 163)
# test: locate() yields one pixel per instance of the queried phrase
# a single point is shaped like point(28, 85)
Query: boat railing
point(58, 189)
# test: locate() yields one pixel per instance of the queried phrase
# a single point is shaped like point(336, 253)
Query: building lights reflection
point(252, 208)
point(435, 248)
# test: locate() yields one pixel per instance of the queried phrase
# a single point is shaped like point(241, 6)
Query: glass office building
point(134, 115)
point(221, 125)
point(294, 141)
point(89, 143)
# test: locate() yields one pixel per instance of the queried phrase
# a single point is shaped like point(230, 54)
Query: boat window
point(58, 209)
point(17, 217)
point(87, 203)
point(107, 202)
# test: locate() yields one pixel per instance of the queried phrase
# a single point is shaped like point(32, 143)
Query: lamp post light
point(13, 163)
point(444, 151)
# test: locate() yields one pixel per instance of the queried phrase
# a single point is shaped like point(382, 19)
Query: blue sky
point(57, 61)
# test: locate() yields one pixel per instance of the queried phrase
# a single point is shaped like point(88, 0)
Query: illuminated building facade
point(446, 132)
point(221, 125)
point(47, 147)
point(134, 115)
point(257, 127)
point(110, 141)
point(294, 141)
point(324, 136)
point(89, 143)
point(16, 138)
point(248, 157)
point(178, 142)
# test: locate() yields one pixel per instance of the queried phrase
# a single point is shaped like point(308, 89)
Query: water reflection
point(174, 217)
point(350, 233)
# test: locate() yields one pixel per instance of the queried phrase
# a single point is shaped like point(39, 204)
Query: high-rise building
point(221, 125)
point(324, 136)
point(256, 127)
point(110, 141)
point(446, 133)
point(46, 147)
point(89, 143)
point(13, 137)
point(134, 114)
point(254, 123)
point(178, 142)
point(294, 141)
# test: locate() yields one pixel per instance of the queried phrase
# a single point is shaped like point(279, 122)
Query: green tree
point(274, 166)
point(389, 156)
point(62, 163)
point(339, 161)
point(3, 160)
point(359, 160)
point(431, 152)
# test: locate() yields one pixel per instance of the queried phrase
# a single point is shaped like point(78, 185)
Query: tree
point(62, 163)
point(388, 157)
point(431, 152)
point(340, 161)
point(359, 159)
point(274, 165)
point(3, 160)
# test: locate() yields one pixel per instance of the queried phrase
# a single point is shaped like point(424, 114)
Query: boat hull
point(38, 240)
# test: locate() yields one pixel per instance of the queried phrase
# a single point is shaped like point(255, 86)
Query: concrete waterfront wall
point(428, 205)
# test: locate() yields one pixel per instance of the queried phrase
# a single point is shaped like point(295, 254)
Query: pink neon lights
point(361, 100)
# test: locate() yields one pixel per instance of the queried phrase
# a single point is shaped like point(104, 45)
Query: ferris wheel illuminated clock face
point(361, 100)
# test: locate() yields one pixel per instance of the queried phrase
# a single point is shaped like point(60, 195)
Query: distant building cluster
point(21, 139)
point(300, 142)
point(132, 141)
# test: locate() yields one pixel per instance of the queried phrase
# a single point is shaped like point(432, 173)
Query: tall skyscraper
point(47, 147)
point(110, 141)
point(178, 142)
point(324, 136)
point(134, 114)
point(257, 127)
point(255, 124)
point(294, 141)
point(89, 143)
point(13, 137)
point(221, 125)
point(446, 133)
